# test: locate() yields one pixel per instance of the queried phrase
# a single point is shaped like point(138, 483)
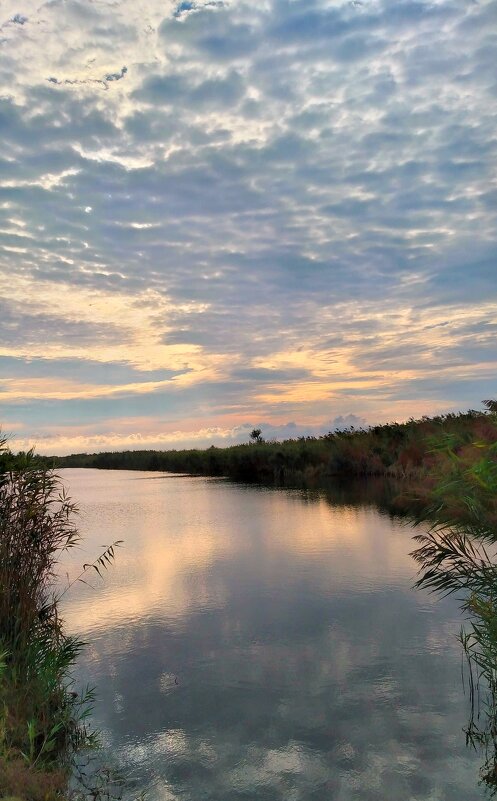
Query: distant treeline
point(395, 450)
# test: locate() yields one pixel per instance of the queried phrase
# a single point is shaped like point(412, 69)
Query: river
point(264, 645)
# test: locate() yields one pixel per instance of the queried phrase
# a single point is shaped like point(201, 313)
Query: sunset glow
point(221, 215)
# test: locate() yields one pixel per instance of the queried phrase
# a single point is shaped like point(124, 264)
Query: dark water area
point(266, 644)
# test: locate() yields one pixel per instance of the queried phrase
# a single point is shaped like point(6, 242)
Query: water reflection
point(261, 644)
point(459, 557)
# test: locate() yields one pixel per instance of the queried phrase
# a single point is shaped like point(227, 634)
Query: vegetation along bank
point(43, 721)
point(408, 450)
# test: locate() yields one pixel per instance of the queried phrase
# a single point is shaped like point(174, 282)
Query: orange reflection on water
point(162, 568)
point(182, 533)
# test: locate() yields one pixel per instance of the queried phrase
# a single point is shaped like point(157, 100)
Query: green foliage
point(256, 435)
point(42, 720)
point(402, 451)
point(35, 527)
point(458, 553)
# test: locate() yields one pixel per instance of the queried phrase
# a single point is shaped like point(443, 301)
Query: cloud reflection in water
point(264, 644)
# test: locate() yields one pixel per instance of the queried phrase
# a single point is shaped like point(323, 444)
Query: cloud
point(112, 76)
point(137, 434)
point(25, 328)
point(174, 90)
point(256, 179)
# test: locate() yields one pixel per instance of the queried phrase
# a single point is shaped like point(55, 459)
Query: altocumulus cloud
point(217, 213)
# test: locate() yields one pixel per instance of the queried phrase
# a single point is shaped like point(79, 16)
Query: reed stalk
point(43, 721)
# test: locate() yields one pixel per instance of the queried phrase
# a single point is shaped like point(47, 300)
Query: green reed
point(43, 721)
point(458, 553)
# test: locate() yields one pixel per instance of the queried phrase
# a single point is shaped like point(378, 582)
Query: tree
point(255, 435)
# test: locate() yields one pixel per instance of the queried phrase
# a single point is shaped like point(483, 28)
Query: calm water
point(265, 645)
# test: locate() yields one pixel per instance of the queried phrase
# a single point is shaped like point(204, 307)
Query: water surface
point(265, 644)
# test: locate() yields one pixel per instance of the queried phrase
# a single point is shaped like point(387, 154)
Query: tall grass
point(36, 526)
point(42, 719)
point(458, 554)
point(395, 451)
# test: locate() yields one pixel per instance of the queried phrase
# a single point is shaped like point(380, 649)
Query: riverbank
point(410, 452)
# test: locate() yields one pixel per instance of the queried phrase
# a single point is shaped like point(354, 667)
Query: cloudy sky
point(216, 215)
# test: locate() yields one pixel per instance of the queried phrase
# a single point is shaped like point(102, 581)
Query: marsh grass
point(394, 451)
point(458, 554)
point(43, 721)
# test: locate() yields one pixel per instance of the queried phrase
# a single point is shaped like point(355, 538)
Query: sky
point(218, 215)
